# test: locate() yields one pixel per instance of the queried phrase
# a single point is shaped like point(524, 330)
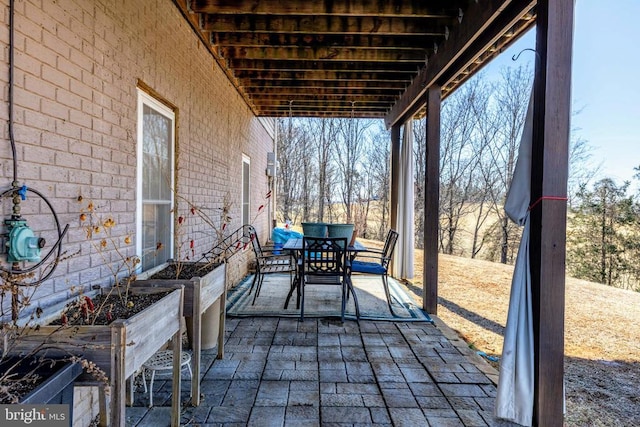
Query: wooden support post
point(176, 383)
point(221, 324)
point(118, 379)
point(431, 202)
point(196, 343)
point(223, 314)
point(550, 152)
point(104, 403)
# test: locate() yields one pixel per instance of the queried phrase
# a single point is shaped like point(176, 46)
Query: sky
point(605, 82)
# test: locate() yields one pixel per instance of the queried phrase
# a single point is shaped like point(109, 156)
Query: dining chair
point(268, 263)
point(376, 262)
point(324, 262)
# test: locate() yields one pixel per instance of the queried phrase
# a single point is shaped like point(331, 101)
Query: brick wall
point(86, 405)
point(78, 66)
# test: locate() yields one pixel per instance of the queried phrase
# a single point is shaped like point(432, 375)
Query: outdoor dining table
point(294, 246)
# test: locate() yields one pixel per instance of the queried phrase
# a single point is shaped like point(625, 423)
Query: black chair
point(377, 262)
point(324, 262)
point(268, 263)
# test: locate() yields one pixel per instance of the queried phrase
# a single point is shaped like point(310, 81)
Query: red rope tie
point(533, 205)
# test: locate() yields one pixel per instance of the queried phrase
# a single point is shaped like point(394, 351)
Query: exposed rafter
point(324, 55)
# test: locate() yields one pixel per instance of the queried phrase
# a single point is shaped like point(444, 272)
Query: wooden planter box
point(57, 387)
point(200, 293)
point(120, 348)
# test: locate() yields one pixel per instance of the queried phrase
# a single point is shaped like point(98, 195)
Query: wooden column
point(395, 175)
point(550, 152)
point(431, 202)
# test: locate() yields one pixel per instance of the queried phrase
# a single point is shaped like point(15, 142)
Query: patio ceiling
point(366, 58)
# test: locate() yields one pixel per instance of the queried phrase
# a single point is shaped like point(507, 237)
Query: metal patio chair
point(376, 262)
point(268, 263)
point(324, 262)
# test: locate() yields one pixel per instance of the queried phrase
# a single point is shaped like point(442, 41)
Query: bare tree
point(485, 181)
point(512, 94)
point(419, 173)
point(348, 156)
point(376, 174)
point(458, 160)
point(324, 135)
point(580, 170)
point(289, 177)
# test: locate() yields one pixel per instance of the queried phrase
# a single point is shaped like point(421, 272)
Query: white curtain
point(514, 401)
point(403, 255)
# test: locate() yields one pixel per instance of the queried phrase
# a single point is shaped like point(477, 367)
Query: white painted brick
point(39, 88)
point(80, 118)
point(72, 70)
point(77, 147)
point(39, 121)
point(25, 99)
point(70, 37)
point(35, 49)
point(79, 263)
point(67, 160)
point(54, 109)
point(49, 15)
point(82, 58)
point(69, 99)
point(54, 175)
point(100, 126)
point(55, 142)
point(86, 405)
point(79, 88)
point(40, 155)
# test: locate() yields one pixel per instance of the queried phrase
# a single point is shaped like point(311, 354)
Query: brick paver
point(320, 372)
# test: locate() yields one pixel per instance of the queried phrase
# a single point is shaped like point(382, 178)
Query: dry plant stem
point(124, 267)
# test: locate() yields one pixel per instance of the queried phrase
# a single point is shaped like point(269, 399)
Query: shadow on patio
point(282, 372)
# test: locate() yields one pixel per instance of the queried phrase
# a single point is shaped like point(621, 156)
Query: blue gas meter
point(22, 245)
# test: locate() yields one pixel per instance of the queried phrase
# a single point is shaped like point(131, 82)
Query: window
point(246, 166)
point(156, 124)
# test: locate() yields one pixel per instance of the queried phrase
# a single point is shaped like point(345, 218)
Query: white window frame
point(246, 206)
point(145, 99)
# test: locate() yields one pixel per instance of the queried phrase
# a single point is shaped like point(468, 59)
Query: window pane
point(156, 234)
point(157, 135)
point(156, 171)
point(245, 193)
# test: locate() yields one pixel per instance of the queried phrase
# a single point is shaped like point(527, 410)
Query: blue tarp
point(280, 236)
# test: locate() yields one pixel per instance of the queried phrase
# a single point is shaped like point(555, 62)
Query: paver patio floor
point(320, 372)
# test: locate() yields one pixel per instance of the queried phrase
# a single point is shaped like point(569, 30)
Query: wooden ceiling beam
point(322, 75)
point(319, 84)
point(377, 41)
point(323, 54)
point(472, 66)
point(344, 107)
point(432, 8)
point(477, 22)
point(349, 92)
point(360, 105)
point(321, 99)
point(488, 45)
point(322, 114)
point(347, 66)
point(315, 24)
